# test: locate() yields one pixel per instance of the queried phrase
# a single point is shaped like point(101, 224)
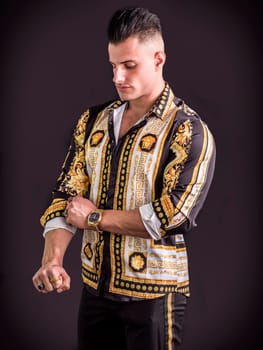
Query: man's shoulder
point(95, 109)
point(184, 110)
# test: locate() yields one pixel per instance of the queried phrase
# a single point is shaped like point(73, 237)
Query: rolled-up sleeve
point(58, 223)
point(150, 220)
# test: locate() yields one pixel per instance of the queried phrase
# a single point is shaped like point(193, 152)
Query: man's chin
point(125, 97)
point(126, 94)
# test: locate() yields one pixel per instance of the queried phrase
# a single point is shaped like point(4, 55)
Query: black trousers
point(154, 324)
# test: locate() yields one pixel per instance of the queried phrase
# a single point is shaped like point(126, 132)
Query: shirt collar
point(160, 107)
point(163, 103)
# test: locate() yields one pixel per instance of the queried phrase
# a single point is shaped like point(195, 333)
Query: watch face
point(94, 217)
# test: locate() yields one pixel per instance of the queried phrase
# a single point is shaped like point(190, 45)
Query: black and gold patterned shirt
point(165, 163)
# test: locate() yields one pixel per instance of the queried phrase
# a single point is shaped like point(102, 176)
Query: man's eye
point(130, 66)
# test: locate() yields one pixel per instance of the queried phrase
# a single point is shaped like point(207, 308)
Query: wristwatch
point(94, 218)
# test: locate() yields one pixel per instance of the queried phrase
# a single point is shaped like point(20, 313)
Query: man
point(135, 178)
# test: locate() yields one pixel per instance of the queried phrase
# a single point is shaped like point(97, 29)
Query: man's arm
point(51, 273)
point(125, 222)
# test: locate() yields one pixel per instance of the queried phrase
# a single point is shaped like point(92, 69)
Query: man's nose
point(118, 76)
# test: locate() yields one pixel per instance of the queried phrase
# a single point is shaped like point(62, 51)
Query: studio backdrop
point(54, 65)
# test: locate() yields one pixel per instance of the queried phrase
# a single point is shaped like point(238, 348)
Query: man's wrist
point(52, 261)
point(93, 219)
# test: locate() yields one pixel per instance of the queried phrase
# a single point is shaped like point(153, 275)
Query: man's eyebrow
point(123, 62)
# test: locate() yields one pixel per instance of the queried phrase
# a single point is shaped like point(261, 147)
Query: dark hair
point(133, 21)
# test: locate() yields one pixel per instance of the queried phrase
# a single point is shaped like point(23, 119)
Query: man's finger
point(65, 282)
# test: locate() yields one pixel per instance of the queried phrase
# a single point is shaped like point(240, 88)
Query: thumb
point(64, 282)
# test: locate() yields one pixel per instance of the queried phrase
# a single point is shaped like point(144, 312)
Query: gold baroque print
point(184, 134)
point(148, 142)
point(96, 138)
point(92, 276)
point(171, 178)
point(88, 251)
point(180, 147)
point(161, 105)
point(150, 288)
point(160, 211)
point(76, 180)
point(79, 132)
point(105, 172)
point(122, 172)
point(73, 179)
point(89, 277)
point(56, 209)
point(137, 262)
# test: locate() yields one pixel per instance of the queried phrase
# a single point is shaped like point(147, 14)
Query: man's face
point(134, 68)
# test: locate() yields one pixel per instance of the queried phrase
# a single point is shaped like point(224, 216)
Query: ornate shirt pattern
point(73, 179)
point(167, 160)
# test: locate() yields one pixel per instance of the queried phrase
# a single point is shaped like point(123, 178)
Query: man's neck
point(141, 106)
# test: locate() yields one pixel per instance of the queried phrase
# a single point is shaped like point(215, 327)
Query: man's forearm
point(127, 222)
point(56, 243)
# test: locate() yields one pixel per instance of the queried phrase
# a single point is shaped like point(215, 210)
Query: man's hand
point(77, 211)
point(51, 277)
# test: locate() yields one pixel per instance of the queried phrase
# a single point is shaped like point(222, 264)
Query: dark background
point(54, 65)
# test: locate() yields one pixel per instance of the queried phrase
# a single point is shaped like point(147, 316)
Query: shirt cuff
point(150, 221)
point(58, 223)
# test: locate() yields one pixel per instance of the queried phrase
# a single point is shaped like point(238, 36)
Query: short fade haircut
point(133, 21)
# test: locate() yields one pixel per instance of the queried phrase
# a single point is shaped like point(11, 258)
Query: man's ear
point(159, 58)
